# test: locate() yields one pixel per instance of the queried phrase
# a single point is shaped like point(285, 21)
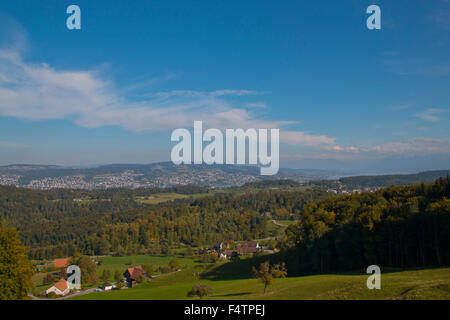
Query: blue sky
point(344, 97)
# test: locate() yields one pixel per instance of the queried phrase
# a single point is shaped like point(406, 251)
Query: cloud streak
point(429, 115)
point(39, 92)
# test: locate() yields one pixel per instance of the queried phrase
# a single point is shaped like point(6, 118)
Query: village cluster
point(62, 287)
point(132, 275)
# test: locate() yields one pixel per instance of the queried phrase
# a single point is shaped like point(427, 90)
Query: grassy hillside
point(415, 284)
point(122, 263)
point(160, 197)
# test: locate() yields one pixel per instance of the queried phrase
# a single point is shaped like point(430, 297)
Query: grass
point(164, 197)
point(287, 222)
point(161, 197)
point(38, 286)
point(276, 230)
point(411, 284)
point(122, 263)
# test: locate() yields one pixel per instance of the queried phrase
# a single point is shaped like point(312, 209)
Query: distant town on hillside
point(166, 174)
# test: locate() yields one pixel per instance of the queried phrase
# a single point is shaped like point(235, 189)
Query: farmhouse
point(61, 288)
point(246, 250)
point(249, 244)
point(132, 274)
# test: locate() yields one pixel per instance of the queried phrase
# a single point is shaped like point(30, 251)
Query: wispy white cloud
point(303, 138)
point(259, 104)
point(415, 146)
point(40, 92)
point(429, 115)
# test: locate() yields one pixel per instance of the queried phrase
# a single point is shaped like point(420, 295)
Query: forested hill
point(395, 179)
point(119, 225)
point(362, 182)
point(399, 226)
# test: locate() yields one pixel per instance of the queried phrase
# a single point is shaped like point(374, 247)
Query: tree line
point(396, 227)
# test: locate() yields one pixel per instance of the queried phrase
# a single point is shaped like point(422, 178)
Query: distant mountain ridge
point(167, 174)
point(380, 181)
point(162, 174)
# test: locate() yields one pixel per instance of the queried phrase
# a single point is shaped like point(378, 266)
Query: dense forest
point(52, 224)
point(400, 226)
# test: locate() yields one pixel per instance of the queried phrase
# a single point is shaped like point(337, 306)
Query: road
point(65, 297)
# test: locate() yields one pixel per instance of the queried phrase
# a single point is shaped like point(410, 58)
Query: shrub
point(174, 265)
point(141, 279)
point(165, 269)
point(148, 269)
point(200, 290)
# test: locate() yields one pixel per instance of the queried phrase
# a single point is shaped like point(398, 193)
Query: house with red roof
point(132, 274)
point(61, 288)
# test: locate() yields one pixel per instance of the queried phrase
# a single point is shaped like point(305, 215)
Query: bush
point(174, 265)
point(148, 269)
point(165, 269)
point(118, 275)
point(200, 290)
point(141, 279)
point(209, 258)
point(190, 251)
point(279, 270)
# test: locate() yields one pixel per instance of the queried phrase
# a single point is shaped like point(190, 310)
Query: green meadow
point(37, 281)
point(279, 228)
point(122, 263)
point(410, 284)
point(161, 197)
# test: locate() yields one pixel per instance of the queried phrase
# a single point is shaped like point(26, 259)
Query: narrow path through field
point(279, 224)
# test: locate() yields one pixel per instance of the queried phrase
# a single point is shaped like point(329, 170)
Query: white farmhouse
point(61, 288)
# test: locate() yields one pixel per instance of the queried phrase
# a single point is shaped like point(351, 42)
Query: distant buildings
point(243, 248)
point(131, 179)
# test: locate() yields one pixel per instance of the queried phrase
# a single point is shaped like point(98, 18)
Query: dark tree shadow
point(232, 294)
